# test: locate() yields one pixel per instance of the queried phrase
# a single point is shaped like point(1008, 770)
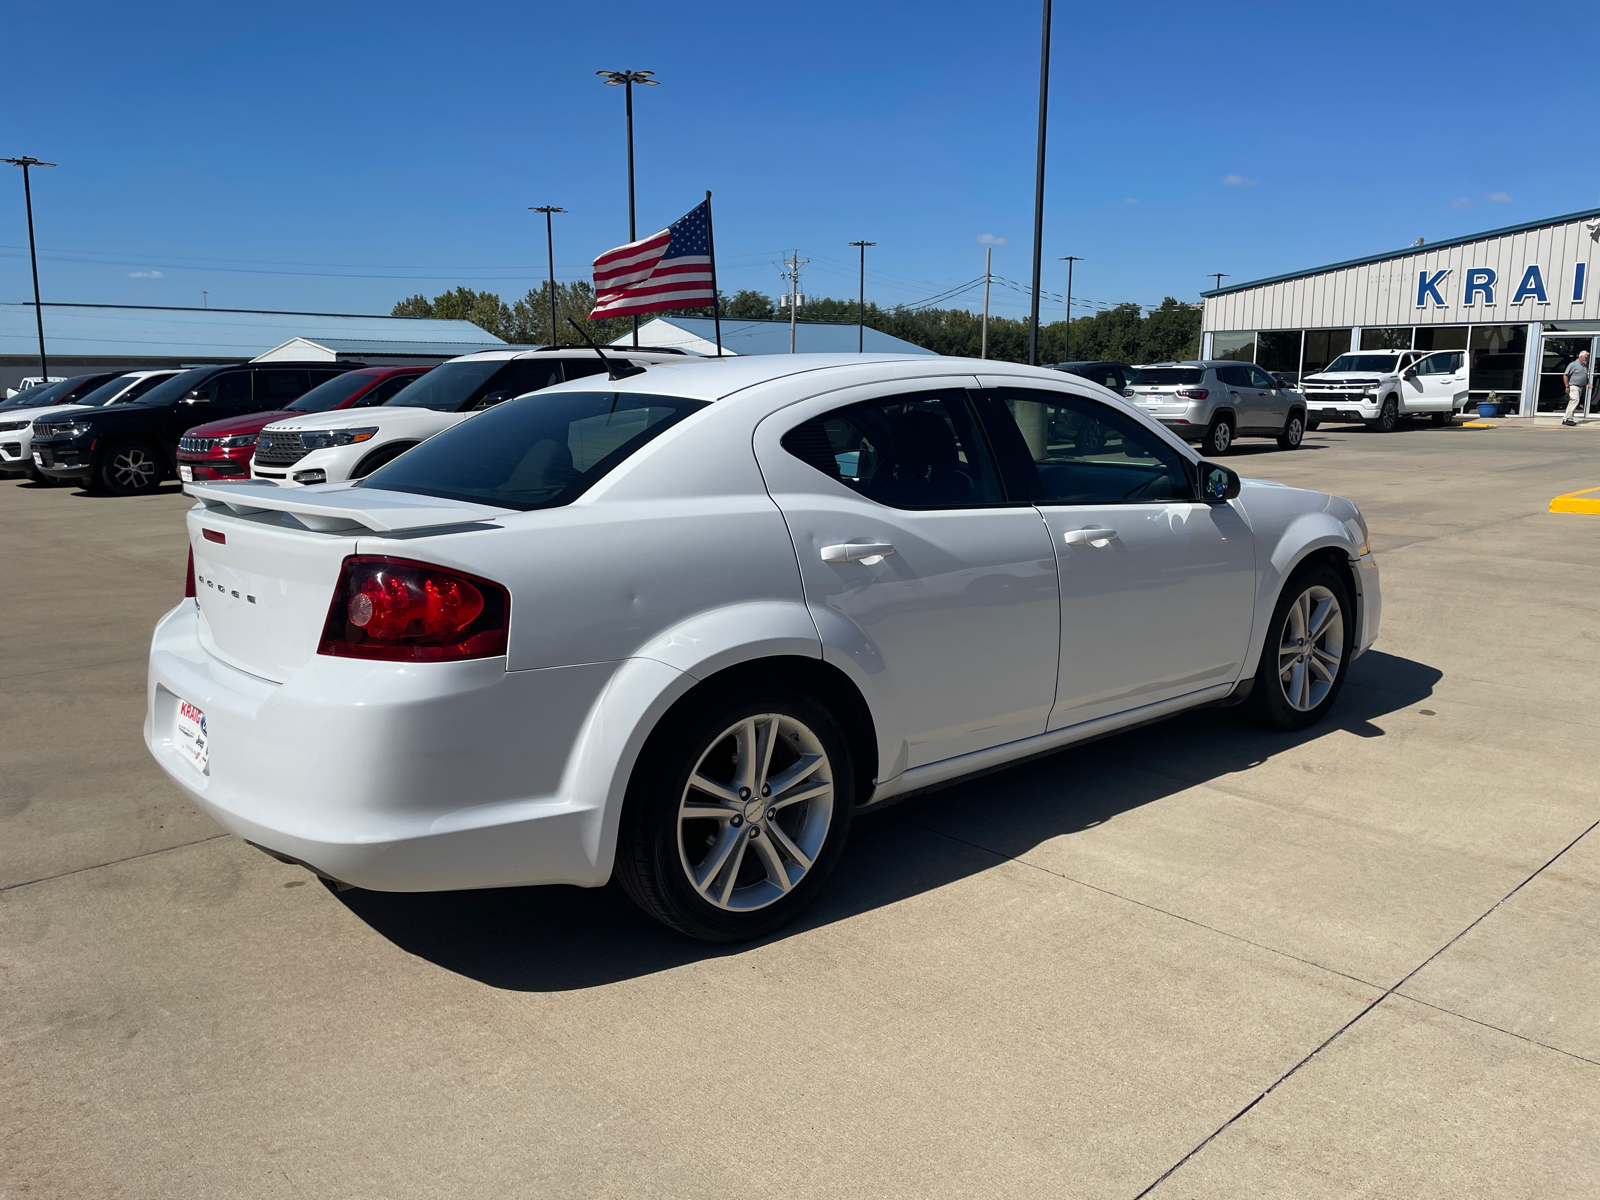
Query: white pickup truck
point(1383, 387)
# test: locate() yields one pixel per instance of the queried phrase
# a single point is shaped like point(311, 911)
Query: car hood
point(355, 418)
point(235, 426)
point(1345, 376)
point(53, 411)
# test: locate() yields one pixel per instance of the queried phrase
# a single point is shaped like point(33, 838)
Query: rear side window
point(1166, 376)
point(536, 452)
point(915, 451)
point(276, 388)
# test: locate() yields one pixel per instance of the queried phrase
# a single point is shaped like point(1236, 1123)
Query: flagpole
point(716, 300)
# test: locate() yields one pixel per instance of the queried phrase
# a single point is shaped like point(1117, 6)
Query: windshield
point(1165, 376)
point(326, 397)
point(174, 388)
point(1381, 363)
point(37, 396)
point(450, 387)
point(103, 393)
point(536, 452)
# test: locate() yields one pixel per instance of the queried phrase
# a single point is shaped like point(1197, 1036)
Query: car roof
point(530, 352)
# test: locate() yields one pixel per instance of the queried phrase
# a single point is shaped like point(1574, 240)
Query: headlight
point(64, 429)
point(237, 442)
point(321, 439)
point(8, 426)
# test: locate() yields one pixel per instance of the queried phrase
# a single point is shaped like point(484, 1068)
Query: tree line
point(1125, 333)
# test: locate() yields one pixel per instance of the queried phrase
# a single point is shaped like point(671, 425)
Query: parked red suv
point(222, 449)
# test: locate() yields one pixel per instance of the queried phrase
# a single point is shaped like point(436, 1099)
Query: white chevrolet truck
point(1381, 388)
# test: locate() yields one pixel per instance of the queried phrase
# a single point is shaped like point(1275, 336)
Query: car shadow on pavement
point(545, 939)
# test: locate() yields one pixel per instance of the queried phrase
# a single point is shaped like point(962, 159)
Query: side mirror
point(194, 398)
point(494, 398)
point(1411, 374)
point(1218, 485)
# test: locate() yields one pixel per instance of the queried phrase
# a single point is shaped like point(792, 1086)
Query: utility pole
point(550, 247)
point(861, 304)
point(988, 262)
point(627, 79)
point(33, 255)
point(1038, 190)
point(1066, 335)
point(205, 298)
point(792, 274)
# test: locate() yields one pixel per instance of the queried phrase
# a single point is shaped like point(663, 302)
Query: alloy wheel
point(132, 468)
point(1221, 437)
point(755, 812)
point(1310, 648)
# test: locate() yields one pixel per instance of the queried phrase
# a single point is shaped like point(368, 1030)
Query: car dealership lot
point(1060, 979)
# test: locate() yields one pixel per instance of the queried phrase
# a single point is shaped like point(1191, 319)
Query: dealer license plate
point(186, 474)
point(38, 459)
point(194, 742)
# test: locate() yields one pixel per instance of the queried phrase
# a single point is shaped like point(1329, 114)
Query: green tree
point(484, 309)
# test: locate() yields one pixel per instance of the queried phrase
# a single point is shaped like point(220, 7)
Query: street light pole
point(33, 255)
point(626, 79)
point(861, 304)
point(1066, 334)
point(988, 264)
point(550, 246)
point(1038, 190)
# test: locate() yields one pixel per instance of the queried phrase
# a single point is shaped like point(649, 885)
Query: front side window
point(1436, 364)
point(536, 452)
point(920, 450)
point(1260, 379)
point(230, 387)
point(1079, 451)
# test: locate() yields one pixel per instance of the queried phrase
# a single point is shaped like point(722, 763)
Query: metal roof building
point(103, 337)
point(697, 335)
point(1519, 300)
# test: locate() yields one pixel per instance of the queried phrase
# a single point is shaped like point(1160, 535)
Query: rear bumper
point(391, 776)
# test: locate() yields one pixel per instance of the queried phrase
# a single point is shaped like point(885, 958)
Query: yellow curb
point(1577, 502)
point(1478, 425)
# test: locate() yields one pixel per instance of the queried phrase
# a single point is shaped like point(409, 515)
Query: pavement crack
point(111, 863)
point(1334, 1036)
point(1450, 1012)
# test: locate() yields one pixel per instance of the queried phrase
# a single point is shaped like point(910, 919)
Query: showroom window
point(1496, 356)
point(1238, 345)
point(1278, 352)
point(1395, 337)
point(1441, 337)
point(1323, 346)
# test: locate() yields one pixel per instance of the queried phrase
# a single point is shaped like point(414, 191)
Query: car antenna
point(612, 369)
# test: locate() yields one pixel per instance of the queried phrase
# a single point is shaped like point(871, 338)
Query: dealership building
point(1522, 301)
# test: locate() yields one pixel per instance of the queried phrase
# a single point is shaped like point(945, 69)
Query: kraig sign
point(1481, 282)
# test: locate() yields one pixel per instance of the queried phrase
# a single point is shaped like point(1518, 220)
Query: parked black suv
point(1113, 375)
point(130, 448)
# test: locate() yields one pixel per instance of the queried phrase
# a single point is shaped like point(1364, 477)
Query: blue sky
point(336, 157)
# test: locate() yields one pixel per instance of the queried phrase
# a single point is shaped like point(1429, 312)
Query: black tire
point(1388, 416)
point(131, 468)
point(1276, 676)
point(1218, 437)
point(1441, 419)
point(1294, 431)
point(1313, 426)
point(657, 846)
point(380, 457)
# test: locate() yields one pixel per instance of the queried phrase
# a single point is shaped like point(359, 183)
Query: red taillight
point(188, 577)
point(405, 611)
point(1195, 393)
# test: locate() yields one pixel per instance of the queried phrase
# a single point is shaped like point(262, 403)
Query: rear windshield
point(537, 452)
point(1165, 376)
point(1381, 363)
point(326, 397)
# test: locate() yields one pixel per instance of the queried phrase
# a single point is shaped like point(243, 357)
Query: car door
point(1272, 402)
point(225, 394)
point(1242, 397)
point(1157, 588)
point(1434, 383)
point(930, 587)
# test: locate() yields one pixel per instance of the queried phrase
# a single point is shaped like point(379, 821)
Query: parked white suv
point(353, 443)
point(1382, 387)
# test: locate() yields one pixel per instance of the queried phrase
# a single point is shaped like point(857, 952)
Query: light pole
point(861, 304)
point(988, 264)
point(1038, 190)
point(33, 255)
point(627, 79)
point(1066, 334)
point(550, 245)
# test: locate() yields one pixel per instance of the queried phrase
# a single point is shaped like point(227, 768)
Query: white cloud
point(1498, 198)
point(1130, 200)
point(145, 275)
point(1462, 203)
point(1238, 181)
point(989, 239)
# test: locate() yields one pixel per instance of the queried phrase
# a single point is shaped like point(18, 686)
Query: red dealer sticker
point(193, 742)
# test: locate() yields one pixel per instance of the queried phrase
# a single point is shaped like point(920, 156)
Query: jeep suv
point(1214, 403)
point(1370, 386)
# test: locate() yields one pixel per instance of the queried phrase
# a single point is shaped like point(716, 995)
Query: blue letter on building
point(1578, 272)
point(1479, 279)
point(1428, 285)
point(1532, 286)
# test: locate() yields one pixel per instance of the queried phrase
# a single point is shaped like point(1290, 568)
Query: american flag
point(670, 269)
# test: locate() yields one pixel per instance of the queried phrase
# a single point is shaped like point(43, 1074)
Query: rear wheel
point(131, 469)
point(737, 813)
point(1294, 431)
point(1388, 416)
point(1443, 418)
point(1307, 649)
point(1219, 437)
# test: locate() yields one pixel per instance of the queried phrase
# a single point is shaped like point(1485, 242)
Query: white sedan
point(682, 626)
point(354, 442)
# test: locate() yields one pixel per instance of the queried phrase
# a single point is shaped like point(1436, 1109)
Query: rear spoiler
point(344, 509)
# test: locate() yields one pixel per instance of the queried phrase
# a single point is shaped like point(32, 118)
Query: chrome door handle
point(1089, 537)
point(856, 551)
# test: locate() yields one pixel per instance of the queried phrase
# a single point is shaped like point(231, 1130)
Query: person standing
point(1577, 379)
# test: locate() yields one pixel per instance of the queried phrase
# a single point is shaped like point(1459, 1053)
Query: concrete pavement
point(1194, 960)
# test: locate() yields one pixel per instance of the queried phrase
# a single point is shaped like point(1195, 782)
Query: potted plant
point(1490, 406)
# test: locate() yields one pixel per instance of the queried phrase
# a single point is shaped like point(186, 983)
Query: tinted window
point(148, 384)
point(103, 393)
point(277, 387)
point(40, 395)
point(326, 397)
point(1435, 364)
point(1234, 376)
point(578, 368)
point(1166, 376)
point(175, 387)
point(461, 386)
point(385, 391)
point(230, 387)
point(1078, 451)
point(536, 452)
point(1260, 379)
point(914, 451)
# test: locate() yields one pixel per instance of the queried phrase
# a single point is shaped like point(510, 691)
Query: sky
point(337, 157)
